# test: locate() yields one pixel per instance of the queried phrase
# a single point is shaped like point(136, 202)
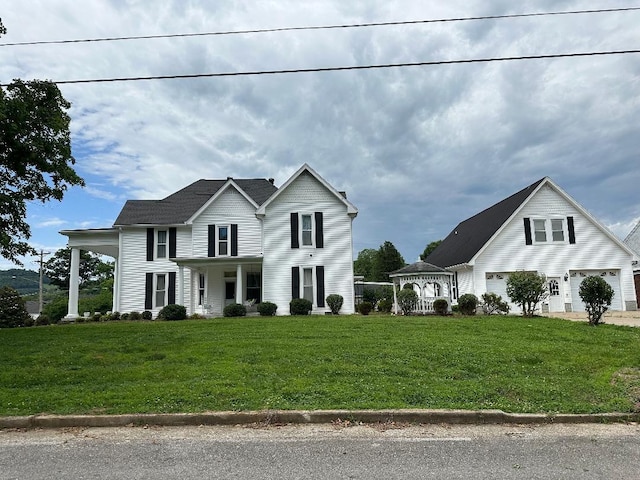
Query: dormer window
point(539, 230)
point(549, 230)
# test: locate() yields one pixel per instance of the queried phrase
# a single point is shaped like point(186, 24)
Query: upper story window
point(161, 244)
point(548, 230)
point(223, 241)
point(307, 230)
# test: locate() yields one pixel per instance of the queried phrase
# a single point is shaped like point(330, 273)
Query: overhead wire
point(323, 27)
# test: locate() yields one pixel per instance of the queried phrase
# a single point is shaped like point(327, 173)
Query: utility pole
point(40, 283)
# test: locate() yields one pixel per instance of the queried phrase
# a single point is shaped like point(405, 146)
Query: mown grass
point(509, 363)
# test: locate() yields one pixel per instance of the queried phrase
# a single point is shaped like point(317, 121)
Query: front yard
point(377, 362)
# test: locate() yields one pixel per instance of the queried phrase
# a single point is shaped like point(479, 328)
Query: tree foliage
point(527, 289)
point(35, 157)
point(597, 295)
point(92, 270)
point(13, 312)
point(387, 260)
point(493, 303)
point(428, 249)
point(365, 264)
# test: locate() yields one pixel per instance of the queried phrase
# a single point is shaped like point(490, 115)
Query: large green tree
point(92, 271)
point(365, 264)
point(35, 157)
point(429, 248)
point(388, 259)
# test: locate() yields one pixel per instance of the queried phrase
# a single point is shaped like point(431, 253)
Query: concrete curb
point(271, 417)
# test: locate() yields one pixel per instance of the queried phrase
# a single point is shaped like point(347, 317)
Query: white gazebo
point(430, 282)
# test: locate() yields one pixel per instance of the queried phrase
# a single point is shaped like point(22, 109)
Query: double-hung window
point(161, 244)
point(557, 229)
point(539, 230)
point(307, 230)
point(201, 288)
point(307, 284)
point(161, 290)
point(223, 241)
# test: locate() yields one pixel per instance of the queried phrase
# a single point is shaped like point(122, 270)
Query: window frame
point(311, 230)
point(549, 232)
point(157, 291)
point(202, 289)
point(227, 241)
point(304, 286)
point(164, 245)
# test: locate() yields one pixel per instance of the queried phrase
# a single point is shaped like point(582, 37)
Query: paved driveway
point(617, 318)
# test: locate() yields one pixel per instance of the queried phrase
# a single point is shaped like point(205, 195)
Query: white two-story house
point(542, 229)
point(217, 242)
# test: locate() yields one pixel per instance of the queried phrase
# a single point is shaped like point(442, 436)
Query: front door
point(556, 301)
point(229, 293)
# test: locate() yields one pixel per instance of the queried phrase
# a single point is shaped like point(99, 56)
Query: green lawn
point(376, 362)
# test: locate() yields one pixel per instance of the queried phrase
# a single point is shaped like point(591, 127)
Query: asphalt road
point(338, 451)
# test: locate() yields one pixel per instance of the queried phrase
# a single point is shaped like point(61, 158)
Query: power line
point(322, 27)
point(337, 69)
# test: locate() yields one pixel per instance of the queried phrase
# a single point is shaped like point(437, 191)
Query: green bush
point(441, 306)
point(493, 303)
point(527, 289)
point(370, 295)
point(364, 308)
point(57, 309)
point(115, 316)
point(197, 316)
point(173, 312)
point(96, 317)
point(30, 322)
point(385, 305)
point(124, 316)
point(13, 312)
point(407, 300)
point(597, 295)
point(467, 304)
point(135, 315)
point(234, 310)
point(267, 309)
point(335, 301)
point(300, 306)
point(147, 315)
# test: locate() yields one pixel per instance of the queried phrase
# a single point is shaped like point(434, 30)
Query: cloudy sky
point(417, 149)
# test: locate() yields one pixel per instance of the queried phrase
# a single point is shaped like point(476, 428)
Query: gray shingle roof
point(419, 267)
point(472, 234)
point(180, 206)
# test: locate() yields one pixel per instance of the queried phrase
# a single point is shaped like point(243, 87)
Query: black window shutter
point(234, 239)
point(150, 242)
point(572, 231)
point(319, 231)
point(320, 286)
point(295, 237)
point(172, 242)
point(211, 247)
point(295, 282)
point(172, 288)
point(527, 232)
point(148, 291)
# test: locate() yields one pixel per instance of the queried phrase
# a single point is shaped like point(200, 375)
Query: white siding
point(230, 207)
point(134, 266)
point(307, 195)
point(593, 250)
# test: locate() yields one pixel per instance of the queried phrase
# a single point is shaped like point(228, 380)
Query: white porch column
point(395, 298)
point(239, 284)
point(74, 285)
point(180, 285)
point(115, 300)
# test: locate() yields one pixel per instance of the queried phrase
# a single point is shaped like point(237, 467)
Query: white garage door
point(497, 283)
point(612, 277)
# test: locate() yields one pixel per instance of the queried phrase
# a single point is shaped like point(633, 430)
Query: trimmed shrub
point(96, 317)
point(493, 303)
point(267, 309)
point(124, 316)
point(173, 312)
point(467, 304)
point(300, 306)
point(234, 310)
point(13, 312)
point(597, 295)
point(30, 322)
point(115, 316)
point(441, 306)
point(197, 316)
point(385, 305)
point(147, 315)
point(42, 320)
point(135, 315)
point(335, 302)
point(365, 308)
point(407, 300)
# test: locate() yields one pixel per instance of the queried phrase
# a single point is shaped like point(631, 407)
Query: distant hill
point(24, 281)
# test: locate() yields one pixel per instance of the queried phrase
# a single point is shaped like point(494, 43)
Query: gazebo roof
point(419, 267)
